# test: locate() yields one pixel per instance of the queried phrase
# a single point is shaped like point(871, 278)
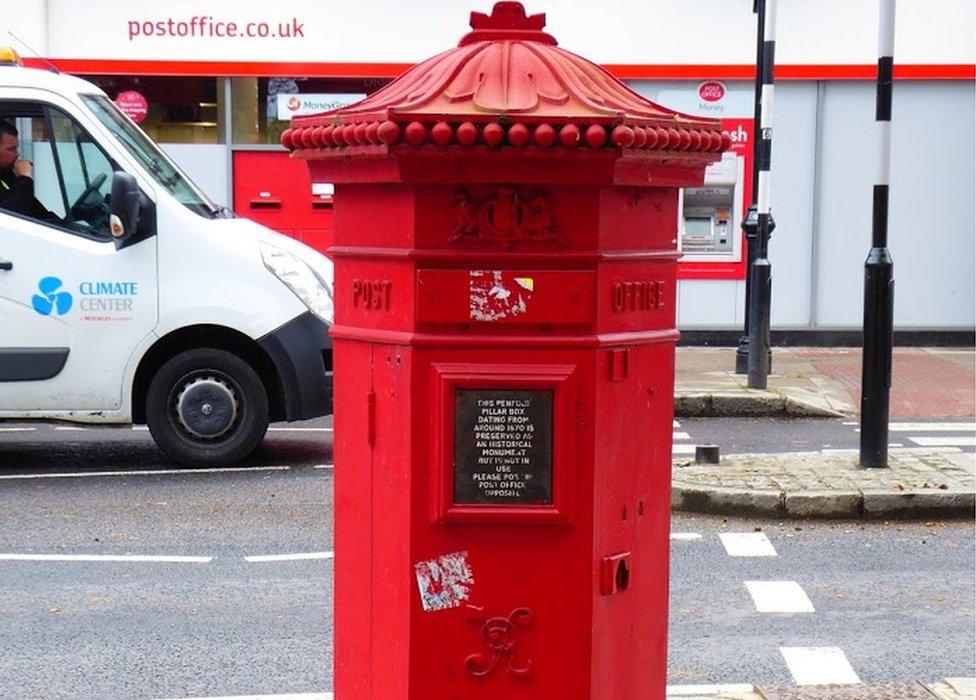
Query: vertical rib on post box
point(505, 218)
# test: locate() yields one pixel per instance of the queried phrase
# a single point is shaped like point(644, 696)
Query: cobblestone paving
point(919, 482)
point(909, 469)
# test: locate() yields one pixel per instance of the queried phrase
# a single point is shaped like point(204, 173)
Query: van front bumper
point(301, 351)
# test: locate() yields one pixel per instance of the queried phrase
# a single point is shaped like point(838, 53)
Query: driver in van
point(17, 179)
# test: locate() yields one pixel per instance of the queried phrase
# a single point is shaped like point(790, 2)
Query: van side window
point(51, 170)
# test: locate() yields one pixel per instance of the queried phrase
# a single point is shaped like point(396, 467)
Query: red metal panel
point(552, 297)
point(275, 190)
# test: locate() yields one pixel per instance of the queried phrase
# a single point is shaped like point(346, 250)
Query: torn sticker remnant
point(495, 295)
point(444, 582)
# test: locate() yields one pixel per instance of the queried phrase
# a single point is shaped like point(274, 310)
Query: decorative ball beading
point(415, 133)
point(518, 135)
point(663, 138)
point(441, 133)
point(349, 134)
point(640, 137)
point(595, 136)
point(327, 136)
point(684, 139)
point(726, 141)
point(544, 136)
point(696, 139)
point(650, 133)
point(371, 133)
point(623, 136)
point(388, 132)
point(569, 136)
point(338, 135)
point(285, 138)
point(359, 134)
point(493, 134)
point(467, 134)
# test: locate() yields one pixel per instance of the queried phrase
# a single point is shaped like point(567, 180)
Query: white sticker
point(444, 582)
point(495, 295)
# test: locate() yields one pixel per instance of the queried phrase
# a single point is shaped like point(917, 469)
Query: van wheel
point(207, 407)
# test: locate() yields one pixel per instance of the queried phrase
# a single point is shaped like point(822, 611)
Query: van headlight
point(301, 279)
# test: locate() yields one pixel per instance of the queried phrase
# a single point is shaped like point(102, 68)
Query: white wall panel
point(933, 187)
point(791, 198)
point(206, 165)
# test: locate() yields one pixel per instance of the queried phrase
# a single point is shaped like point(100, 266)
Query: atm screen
point(698, 227)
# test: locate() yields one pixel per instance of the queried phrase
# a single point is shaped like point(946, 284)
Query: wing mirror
point(126, 204)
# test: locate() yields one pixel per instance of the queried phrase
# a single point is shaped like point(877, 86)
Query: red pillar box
point(505, 255)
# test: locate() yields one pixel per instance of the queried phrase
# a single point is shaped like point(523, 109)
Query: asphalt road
point(895, 599)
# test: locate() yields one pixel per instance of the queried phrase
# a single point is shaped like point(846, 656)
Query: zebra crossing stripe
point(779, 597)
point(819, 666)
point(747, 544)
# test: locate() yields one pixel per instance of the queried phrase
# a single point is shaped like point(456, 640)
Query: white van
point(128, 296)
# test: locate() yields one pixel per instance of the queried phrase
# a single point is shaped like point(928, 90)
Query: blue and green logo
point(51, 297)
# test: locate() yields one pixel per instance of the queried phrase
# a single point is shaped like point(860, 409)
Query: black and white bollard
point(879, 282)
point(760, 292)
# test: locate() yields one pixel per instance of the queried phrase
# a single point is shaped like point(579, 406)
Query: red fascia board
point(928, 71)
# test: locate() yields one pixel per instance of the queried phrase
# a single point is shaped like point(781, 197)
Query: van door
point(72, 307)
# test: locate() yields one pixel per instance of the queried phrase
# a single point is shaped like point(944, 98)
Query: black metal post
point(879, 283)
point(761, 289)
point(750, 223)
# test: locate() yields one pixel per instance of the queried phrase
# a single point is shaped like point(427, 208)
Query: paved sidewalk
point(919, 482)
point(948, 689)
point(929, 382)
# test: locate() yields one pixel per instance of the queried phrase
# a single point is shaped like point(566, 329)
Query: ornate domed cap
point(507, 83)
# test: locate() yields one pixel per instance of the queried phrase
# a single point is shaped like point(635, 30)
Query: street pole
point(760, 292)
point(749, 223)
point(879, 283)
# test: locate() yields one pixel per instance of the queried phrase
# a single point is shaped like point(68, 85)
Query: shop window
point(263, 107)
point(169, 110)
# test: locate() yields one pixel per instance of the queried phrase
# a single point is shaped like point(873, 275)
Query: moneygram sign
point(298, 105)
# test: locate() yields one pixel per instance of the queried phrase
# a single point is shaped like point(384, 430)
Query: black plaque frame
point(449, 378)
point(503, 446)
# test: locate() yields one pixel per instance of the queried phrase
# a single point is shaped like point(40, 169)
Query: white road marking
point(684, 691)
point(69, 427)
point(323, 466)
point(299, 430)
point(945, 441)
point(685, 536)
point(682, 449)
point(16, 430)
point(675, 424)
point(747, 544)
point(902, 450)
point(140, 427)
point(932, 427)
point(680, 436)
point(850, 422)
point(819, 665)
point(153, 558)
point(779, 597)
point(144, 472)
point(290, 557)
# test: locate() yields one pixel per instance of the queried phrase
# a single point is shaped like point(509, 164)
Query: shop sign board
point(298, 105)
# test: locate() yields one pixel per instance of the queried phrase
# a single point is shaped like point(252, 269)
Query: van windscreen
point(163, 170)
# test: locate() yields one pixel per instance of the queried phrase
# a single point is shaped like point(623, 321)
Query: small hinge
point(371, 418)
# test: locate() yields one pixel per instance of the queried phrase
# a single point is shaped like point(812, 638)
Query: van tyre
point(207, 407)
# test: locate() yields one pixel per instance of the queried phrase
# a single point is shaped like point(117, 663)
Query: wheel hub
point(206, 407)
